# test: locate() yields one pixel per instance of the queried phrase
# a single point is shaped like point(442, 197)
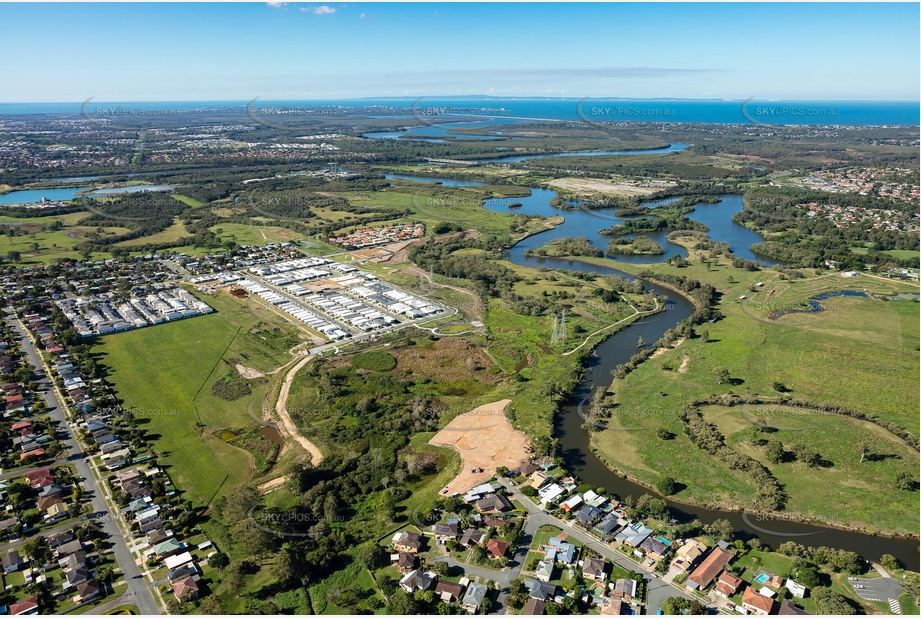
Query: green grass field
point(171, 234)
point(847, 491)
point(165, 372)
point(51, 244)
point(255, 235)
point(841, 356)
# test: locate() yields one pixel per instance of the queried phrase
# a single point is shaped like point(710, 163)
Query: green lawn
point(165, 372)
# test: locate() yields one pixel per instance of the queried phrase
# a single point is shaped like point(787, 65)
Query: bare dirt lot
point(602, 186)
point(485, 439)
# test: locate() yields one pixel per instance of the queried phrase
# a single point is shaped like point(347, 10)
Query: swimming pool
point(762, 578)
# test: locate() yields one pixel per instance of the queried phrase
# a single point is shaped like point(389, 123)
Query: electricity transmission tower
point(558, 334)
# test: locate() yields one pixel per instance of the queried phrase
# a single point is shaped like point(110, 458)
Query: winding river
point(620, 346)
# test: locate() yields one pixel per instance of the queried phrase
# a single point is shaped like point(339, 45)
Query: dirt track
point(287, 425)
point(486, 440)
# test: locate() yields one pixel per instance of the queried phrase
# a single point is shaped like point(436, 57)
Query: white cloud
point(323, 9)
point(277, 5)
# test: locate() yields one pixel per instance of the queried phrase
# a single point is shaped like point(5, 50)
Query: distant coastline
point(695, 111)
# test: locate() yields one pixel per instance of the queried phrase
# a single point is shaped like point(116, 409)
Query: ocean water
point(589, 110)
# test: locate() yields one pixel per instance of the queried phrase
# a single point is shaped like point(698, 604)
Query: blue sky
point(157, 52)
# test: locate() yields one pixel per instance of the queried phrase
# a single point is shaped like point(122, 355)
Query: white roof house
point(178, 560)
point(551, 492)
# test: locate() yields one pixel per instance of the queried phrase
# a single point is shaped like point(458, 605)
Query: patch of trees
point(838, 560)
point(769, 493)
point(490, 278)
point(641, 245)
point(561, 247)
point(827, 601)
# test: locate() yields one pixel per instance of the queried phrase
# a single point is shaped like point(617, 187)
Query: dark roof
point(541, 590)
point(492, 502)
point(589, 513)
point(451, 587)
point(534, 607)
point(789, 608)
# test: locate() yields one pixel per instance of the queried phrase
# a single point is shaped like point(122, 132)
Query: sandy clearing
point(272, 485)
point(684, 364)
point(486, 440)
point(248, 372)
point(659, 352)
point(602, 186)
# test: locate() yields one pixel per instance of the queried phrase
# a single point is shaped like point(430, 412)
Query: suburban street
point(658, 589)
point(138, 592)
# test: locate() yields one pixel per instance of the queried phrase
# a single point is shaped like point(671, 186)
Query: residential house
point(611, 606)
point(446, 532)
point(588, 514)
point(417, 580)
point(449, 591)
point(594, 569)
point(655, 548)
point(493, 503)
point(609, 526)
point(538, 479)
point(68, 548)
point(76, 576)
point(633, 535)
point(789, 608)
point(565, 552)
point(541, 591)
point(549, 494)
point(728, 585)
point(6, 524)
point(526, 469)
point(709, 568)
point(571, 503)
point(186, 589)
point(178, 560)
point(11, 562)
point(593, 498)
point(688, 555)
point(410, 542)
point(472, 536)
point(55, 540)
point(544, 571)
point(87, 591)
point(404, 561)
point(29, 607)
point(534, 607)
point(625, 589)
point(756, 603)
point(496, 549)
point(474, 597)
point(797, 590)
point(168, 548)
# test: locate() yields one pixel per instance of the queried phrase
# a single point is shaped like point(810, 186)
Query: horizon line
point(459, 96)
